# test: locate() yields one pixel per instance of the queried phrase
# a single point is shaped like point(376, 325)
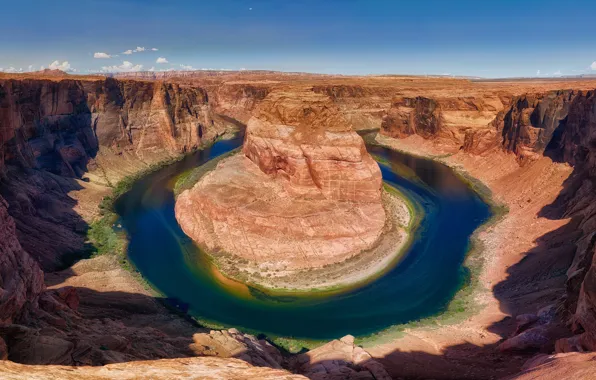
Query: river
point(421, 284)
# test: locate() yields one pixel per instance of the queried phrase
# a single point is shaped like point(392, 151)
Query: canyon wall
point(562, 126)
point(60, 125)
point(56, 136)
point(54, 132)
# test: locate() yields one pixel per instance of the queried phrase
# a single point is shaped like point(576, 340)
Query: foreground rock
point(190, 368)
point(562, 366)
point(339, 359)
point(303, 194)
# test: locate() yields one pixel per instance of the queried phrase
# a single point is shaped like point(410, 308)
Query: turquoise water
point(421, 284)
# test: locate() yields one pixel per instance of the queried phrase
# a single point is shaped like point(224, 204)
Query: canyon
point(66, 141)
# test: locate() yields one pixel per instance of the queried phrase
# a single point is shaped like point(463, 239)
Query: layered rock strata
point(303, 194)
point(560, 125)
point(55, 131)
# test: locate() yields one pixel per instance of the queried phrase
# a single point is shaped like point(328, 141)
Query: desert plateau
point(324, 219)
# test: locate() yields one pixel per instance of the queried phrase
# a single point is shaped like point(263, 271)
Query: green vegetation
point(102, 235)
point(190, 177)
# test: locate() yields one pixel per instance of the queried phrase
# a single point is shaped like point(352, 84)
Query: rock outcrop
point(60, 125)
point(407, 116)
point(339, 359)
point(562, 366)
point(187, 368)
point(304, 193)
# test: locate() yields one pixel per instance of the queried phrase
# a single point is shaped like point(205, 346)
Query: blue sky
point(487, 38)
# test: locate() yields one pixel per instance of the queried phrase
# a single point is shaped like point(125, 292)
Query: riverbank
point(105, 265)
point(523, 191)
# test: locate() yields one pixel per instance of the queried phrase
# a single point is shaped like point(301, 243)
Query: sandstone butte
point(303, 194)
point(64, 140)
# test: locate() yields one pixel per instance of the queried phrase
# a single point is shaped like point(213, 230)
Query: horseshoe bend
point(303, 194)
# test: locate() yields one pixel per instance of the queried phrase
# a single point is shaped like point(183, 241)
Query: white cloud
point(538, 73)
point(593, 65)
point(126, 66)
point(64, 66)
point(154, 49)
point(152, 68)
point(161, 60)
point(30, 67)
point(128, 52)
point(187, 67)
point(558, 73)
point(139, 49)
point(101, 55)
point(11, 70)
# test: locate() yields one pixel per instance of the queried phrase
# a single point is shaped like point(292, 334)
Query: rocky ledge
point(303, 194)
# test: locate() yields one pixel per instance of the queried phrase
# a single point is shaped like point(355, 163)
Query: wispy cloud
point(11, 70)
point(187, 67)
point(138, 49)
point(593, 65)
point(101, 55)
point(126, 66)
point(64, 66)
point(161, 60)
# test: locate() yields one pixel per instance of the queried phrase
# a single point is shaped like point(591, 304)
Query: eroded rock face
point(304, 193)
point(561, 366)
point(306, 141)
point(560, 124)
point(533, 121)
point(60, 125)
point(409, 116)
point(54, 131)
point(21, 279)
